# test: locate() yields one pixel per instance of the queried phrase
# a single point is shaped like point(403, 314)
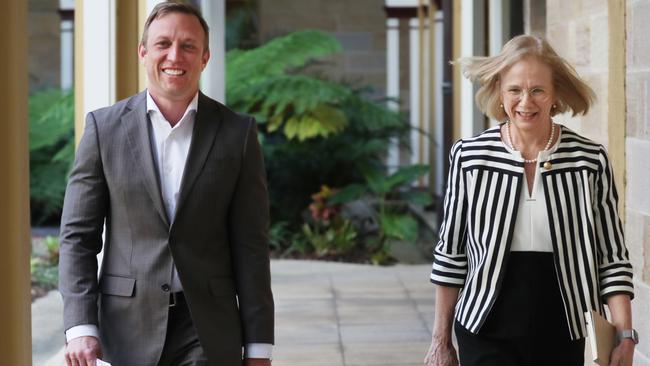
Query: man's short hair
point(168, 7)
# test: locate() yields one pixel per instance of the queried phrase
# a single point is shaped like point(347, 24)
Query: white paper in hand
point(102, 363)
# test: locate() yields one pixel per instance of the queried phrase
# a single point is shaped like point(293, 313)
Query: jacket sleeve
point(450, 258)
point(248, 231)
point(615, 270)
point(82, 221)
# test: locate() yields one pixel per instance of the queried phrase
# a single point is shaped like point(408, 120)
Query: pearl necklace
point(512, 146)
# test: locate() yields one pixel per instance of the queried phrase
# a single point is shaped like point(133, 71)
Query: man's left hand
point(257, 362)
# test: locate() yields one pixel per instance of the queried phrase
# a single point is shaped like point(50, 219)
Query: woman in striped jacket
point(531, 237)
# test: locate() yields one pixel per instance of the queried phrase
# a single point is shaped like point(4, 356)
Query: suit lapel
point(136, 123)
point(206, 125)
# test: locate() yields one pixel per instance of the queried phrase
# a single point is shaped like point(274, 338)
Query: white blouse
point(531, 232)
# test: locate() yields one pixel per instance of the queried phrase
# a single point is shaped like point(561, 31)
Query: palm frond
point(286, 95)
point(277, 56)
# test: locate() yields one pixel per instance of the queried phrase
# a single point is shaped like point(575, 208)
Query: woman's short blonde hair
point(571, 92)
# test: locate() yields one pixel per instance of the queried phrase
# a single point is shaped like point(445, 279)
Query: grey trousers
point(182, 346)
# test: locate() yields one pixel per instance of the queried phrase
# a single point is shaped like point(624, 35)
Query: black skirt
point(527, 324)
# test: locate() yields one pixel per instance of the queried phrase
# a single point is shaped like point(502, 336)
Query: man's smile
point(173, 72)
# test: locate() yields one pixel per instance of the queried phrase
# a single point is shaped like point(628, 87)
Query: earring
point(501, 106)
point(554, 106)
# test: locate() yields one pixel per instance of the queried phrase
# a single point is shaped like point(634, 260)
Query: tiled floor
point(327, 314)
point(336, 314)
point(351, 315)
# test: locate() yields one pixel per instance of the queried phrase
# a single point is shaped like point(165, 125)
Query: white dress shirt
point(171, 147)
point(532, 228)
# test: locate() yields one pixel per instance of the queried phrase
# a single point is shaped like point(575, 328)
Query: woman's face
point(527, 93)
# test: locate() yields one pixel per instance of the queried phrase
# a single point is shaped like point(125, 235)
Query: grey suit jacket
point(218, 238)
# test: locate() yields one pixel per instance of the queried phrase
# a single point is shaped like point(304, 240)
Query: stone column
point(213, 80)
point(438, 155)
point(98, 54)
point(616, 92)
point(15, 309)
point(67, 43)
point(472, 44)
point(106, 58)
point(420, 92)
point(127, 34)
point(392, 83)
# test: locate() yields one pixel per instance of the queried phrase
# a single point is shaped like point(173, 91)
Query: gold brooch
point(548, 165)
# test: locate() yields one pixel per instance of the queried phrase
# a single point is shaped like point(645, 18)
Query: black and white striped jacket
point(480, 209)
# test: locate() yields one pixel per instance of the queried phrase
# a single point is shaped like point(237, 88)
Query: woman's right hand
point(441, 353)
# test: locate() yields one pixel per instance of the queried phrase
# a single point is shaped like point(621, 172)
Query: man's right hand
point(82, 351)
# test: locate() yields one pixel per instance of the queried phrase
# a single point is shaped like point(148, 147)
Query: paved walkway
point(351, 315)
point(47, 328)
point(327, 314)
point(332, 314)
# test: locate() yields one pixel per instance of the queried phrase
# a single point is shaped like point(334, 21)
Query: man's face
point(174, 56)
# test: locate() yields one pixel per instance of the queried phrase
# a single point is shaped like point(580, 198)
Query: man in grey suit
point(178, 182)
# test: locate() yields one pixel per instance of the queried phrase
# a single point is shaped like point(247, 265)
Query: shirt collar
point(192, 107)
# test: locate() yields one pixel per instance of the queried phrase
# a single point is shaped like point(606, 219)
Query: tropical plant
point(321, 209)
point(269, 82)
point(327, 231)
point(286, 241)
point(337, 238)
point(279, 235)
point(395, 222)
point(314, 130)
point(51, 148)
point(44, 269)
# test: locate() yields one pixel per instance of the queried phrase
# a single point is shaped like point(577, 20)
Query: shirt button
point(165, 287)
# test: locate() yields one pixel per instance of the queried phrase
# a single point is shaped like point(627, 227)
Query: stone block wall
point(577, 30)
point(360, 26)
point(44, 24)
point(637, 148)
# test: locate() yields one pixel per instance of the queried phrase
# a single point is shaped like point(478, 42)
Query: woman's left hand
point(623, 353)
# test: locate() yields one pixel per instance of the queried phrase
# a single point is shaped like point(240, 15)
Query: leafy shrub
point(44, 270)
point(326, 232)
point(51, 151)
point(390, 193)
point(315, 131)
point(337, 238)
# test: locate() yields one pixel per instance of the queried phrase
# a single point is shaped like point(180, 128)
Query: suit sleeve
point(449, 256)
point(615, 270)
point(84, 210)
point(248, 231)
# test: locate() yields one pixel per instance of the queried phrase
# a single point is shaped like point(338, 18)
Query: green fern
point(307, 105)
point(51, 147)
point(315, 131)
point(50, 118)
point(371, 116)
point(261, 82)
point(278, 56)
point(266, 83)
